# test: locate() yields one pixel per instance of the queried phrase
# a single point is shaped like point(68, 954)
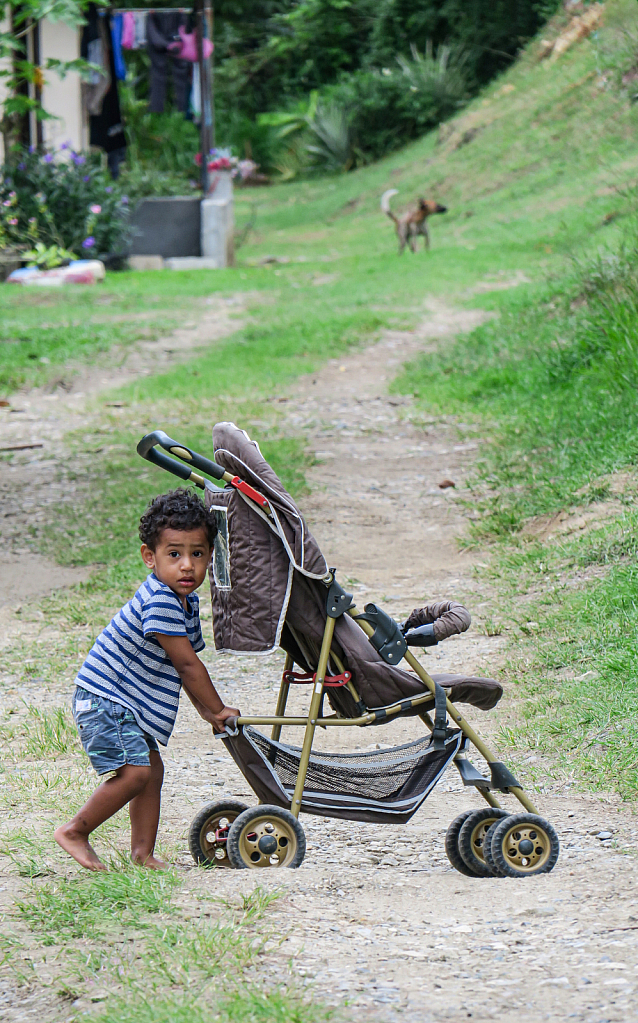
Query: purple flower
point(87, 177)
point(88, 243)
point(78, 159)
point(95, 209)
point(65, 145)
point(13, 221)
point(21, 166)
point(48, 158)
point(7, 202)
point(108, 189)
point(32, 149)
point(125, 200)
point(32, 220)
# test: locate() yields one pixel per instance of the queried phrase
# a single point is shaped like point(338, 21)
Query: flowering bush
point(66, 200)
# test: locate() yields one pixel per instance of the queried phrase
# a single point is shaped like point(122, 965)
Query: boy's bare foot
point(77, 845)
point(151, 863)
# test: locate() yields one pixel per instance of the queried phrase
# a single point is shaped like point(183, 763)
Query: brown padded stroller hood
point(267, 589)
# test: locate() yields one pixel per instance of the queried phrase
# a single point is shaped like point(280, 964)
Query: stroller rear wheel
point(523, 845)
point(266, 836)
point(472, 839)
point(452, 844)
point(208, 835)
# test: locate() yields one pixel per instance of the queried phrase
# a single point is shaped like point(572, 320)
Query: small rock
point(444, 484)
point(604, 835)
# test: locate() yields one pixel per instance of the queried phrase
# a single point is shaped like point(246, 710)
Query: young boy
point(127, 690)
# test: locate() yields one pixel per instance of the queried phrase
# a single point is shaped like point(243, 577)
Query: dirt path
point(375, 916)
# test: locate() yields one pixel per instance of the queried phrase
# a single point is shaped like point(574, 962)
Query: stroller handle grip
point(147, 449)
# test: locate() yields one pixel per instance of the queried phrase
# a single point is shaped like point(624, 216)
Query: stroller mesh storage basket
point(382, 785)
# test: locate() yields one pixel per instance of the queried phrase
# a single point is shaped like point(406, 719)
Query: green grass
point(50, 733)
point(85, 907)
point(576, 674)
point(242, 1006)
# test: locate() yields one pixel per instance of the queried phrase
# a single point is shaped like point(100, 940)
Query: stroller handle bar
point(147, 448)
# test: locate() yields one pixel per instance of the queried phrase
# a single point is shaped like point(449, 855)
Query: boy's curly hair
point(178, 509)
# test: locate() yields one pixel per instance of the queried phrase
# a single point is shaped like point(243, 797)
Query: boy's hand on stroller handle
point(227, 716)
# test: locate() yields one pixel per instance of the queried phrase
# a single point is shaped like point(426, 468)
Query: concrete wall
point(62, 96)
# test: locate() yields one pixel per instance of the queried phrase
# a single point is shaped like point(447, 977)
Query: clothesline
point(151, 10)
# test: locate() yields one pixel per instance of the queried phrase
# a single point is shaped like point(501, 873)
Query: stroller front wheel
point(266, 836)
point(523, 845)
point(208, 835)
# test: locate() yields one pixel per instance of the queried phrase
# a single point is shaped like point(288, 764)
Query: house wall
point(62, 97)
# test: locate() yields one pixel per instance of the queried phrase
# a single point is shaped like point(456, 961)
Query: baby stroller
point(271, 588)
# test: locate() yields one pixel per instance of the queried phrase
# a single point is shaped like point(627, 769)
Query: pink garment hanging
point(128, 30)
point(186, 49)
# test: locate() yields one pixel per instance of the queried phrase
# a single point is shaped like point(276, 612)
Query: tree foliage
point(367, 57)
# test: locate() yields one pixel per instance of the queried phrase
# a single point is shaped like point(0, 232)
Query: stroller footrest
point(501, 778)
point(470, 776)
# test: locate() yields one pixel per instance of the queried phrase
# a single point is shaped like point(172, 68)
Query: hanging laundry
point(162, 29)
point(97, 53)
point(196, 96)
point(106, 130)
point(186, 48)
point(139, 18)
point(128, 30)
point(116, 40)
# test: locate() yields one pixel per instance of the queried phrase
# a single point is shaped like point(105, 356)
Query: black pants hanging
point(161, 29)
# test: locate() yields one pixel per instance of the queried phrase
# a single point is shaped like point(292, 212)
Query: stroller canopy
point(268, 591)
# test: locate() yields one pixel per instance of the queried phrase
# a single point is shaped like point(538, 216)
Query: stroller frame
point(339, 602)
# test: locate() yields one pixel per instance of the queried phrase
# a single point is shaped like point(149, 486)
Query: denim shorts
point(110, 733)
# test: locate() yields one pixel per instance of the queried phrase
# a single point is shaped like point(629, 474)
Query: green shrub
point(67, 202)
point(390, 106)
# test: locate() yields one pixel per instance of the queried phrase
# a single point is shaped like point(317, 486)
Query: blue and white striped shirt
point(127, 664)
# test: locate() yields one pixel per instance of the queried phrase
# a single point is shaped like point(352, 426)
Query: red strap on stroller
point(250, 492)
point(303, 678)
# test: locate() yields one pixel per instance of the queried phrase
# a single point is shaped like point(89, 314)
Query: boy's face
point(180, 559)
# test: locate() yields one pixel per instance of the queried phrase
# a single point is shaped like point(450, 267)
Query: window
point(221, 552)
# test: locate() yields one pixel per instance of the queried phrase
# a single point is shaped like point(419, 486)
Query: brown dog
point(414, 222)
